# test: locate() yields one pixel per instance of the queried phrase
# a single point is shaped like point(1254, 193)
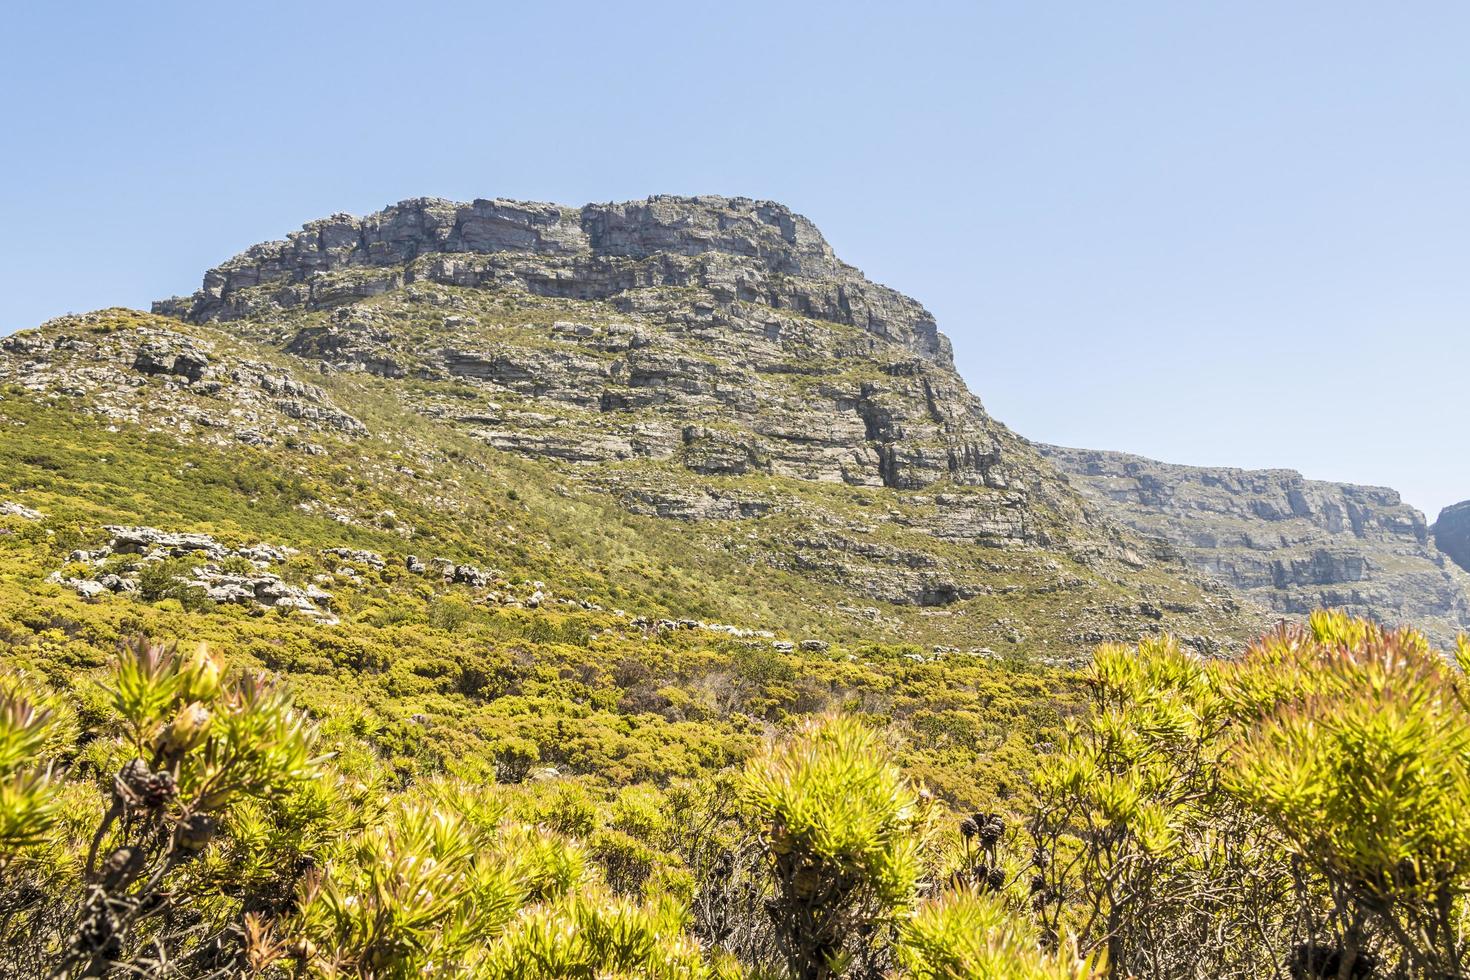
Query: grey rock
point(116, 583)
point(740, 249)
point(268, 553)
point(230, 590)
point(9, 508)
point(361, 557)
point(322, 415)
point(470, 575)
point(86, 588)
point(1291, 543)
point(141, 540)
point(176, 355)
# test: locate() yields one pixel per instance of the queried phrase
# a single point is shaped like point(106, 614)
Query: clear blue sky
point(1232, 233)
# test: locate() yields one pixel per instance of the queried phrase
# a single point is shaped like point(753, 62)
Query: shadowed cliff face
point(1290, 543)
point(1452, 533)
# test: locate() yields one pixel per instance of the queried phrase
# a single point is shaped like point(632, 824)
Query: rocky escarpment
point(1293, 544)
point(1452, 533)
point(735, 248)
point(731, 341)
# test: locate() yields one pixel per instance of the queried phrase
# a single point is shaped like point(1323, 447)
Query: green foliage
point(964, 935)
point(596, 937)
point(1365, 772)
point(199, 745)
point(168, 579)
point(518, 789)
point(412, 893)
point(30, 733)
point(843, 829)
point(1303, 805)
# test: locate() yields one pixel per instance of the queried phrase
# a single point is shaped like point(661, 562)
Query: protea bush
point(1362, 768)
point(965, 933)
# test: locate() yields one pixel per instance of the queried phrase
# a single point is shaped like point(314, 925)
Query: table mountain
point(751, 409)
point(1290, 543)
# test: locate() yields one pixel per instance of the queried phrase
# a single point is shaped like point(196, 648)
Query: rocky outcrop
point(118, 566)
point(131, 367)
point(737, 248)
point(1291, 543)
point(1452, 533)
point(9, 508)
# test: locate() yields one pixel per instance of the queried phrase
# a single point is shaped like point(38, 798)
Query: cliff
point(1452, 533)
point(1290, 543)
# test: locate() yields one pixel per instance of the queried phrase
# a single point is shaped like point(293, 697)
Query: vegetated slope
point(1290, 543)
point(457, 608)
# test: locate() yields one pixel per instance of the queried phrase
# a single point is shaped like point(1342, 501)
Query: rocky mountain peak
point(705, 370)
point(740, 250)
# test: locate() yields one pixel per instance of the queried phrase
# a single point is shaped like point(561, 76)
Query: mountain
point(700, 376)
point(1292, 544)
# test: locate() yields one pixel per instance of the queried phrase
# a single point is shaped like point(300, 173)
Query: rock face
point(721, 334)
point(1291, 543)
point(1452, 533)
point(736, 248)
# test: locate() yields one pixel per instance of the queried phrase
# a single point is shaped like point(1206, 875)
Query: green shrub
point(1363, 767)
point(196, 747)
point(964, 935)
point(1301, 809)
point(843, 831)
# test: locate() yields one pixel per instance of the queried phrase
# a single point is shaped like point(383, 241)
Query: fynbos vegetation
point(1298, 812)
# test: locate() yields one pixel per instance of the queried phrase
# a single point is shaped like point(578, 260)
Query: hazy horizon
point(1208, 237)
